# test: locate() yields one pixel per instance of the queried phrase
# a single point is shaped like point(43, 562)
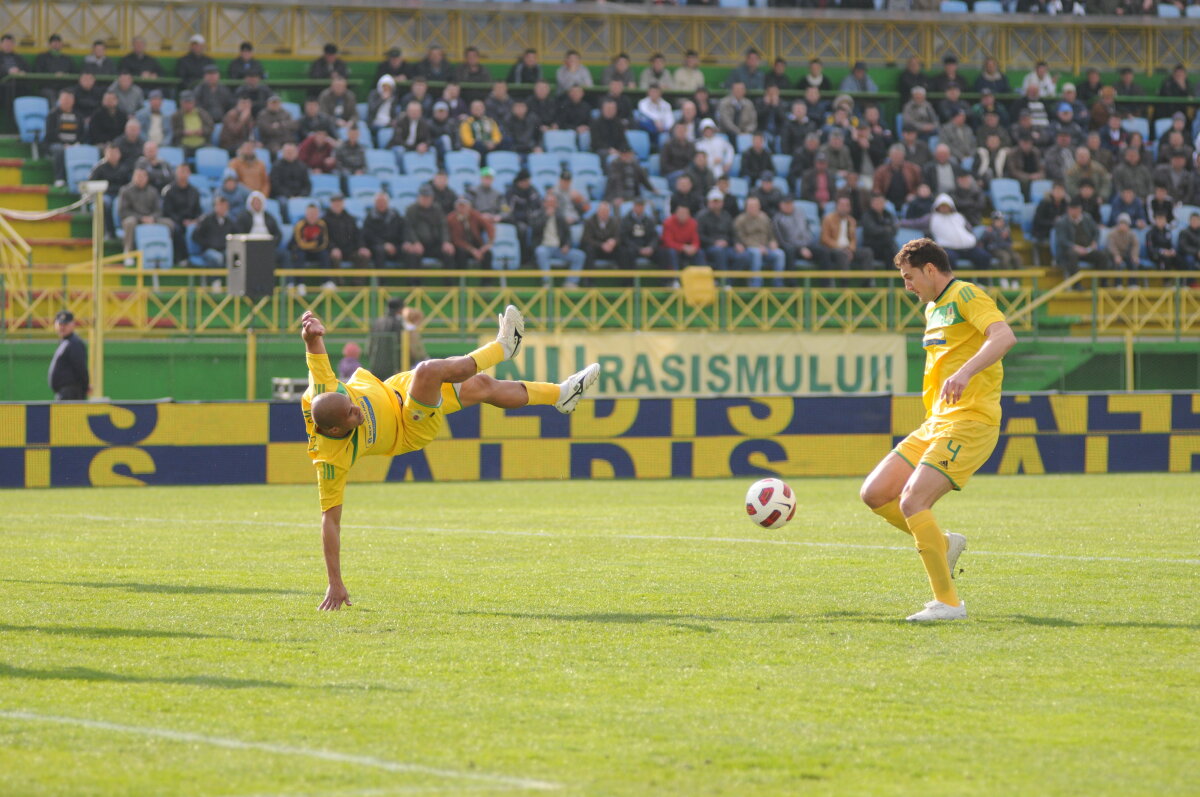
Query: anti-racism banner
point(707, 364)
point(79, 444)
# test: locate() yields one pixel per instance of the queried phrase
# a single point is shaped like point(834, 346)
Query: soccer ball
point(770, 503)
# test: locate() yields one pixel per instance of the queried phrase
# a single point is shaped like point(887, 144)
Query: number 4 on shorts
point(953, 449)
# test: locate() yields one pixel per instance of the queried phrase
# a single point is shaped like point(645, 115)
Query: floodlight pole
point(96, 189)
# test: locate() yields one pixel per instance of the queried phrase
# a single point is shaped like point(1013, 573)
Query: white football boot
point(936, 610)
point(572, 390)
point(955, 545)
point(512, 331)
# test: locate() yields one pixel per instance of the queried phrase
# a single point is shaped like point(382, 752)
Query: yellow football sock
point(892, 514)
point(931, 545)
point(488, 356)
point(541, 392)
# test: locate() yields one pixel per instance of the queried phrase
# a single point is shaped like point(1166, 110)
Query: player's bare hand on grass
point(312, 328)
point(335, 596)
point(953, 387)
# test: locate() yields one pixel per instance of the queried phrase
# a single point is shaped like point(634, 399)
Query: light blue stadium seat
point(739, 187)
point(358, 208)
point(812, 214)
point(954, 7)
point(203, 184)
point(782, 164)
point(364, 133)
point(1161, 126)
point(639, 141)
point(293, 109)
point(544, 163)
point(1137, 124)
point(1038, 189)
point(383, 137)
point(585, 163)
point(904, 235)
point(296, 206)
point(79, 161)
point(172, 155)
point(1006, 195)
point(506, 251)
point(560, 141)
point(154, 240)
point(31, 113)
point(743, 142)
point(1168, 11)
point(589, 185)
point(324, 186)
point(363, 186)
point(463, 161)
point(406, 184)
point(212, 162)
point(459, 182)
point(989, 7)
point(382, 164)
point(504, 159)
point(1192, 12)
point(420, 164)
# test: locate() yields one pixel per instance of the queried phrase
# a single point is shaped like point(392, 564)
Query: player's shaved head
point(334, 412)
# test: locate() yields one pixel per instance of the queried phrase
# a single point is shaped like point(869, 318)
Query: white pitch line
point(390, 791)
point(368, 762)
point(648, 537)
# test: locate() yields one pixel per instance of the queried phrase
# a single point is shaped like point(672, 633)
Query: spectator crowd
point(440, 164)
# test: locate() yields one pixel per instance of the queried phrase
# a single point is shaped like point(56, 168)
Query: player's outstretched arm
point(331, 537)
point(1000, 340)
point(313, 333)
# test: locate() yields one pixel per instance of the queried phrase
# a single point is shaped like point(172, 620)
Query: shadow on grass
point(690, 622)
point(1001, 619)
point(703, 623)
point(106, 633)
point(163, 589)
point(1062, 622)
point(88, 674)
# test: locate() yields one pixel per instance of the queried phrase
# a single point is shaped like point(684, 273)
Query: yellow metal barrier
point(864, 300)
point(503, 31)
point(14, 252)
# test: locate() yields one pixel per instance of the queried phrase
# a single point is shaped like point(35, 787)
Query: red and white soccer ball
point(770, 503)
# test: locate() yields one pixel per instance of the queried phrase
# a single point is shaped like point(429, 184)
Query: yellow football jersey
point(377, 435)
point(955, 323)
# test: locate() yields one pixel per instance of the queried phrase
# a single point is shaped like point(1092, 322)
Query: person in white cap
point(717, 148)
point(190, 68)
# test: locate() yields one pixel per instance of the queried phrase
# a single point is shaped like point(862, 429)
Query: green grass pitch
point(602, 638)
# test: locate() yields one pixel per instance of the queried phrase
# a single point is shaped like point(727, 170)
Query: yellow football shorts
point(420, 424)
point(956, 448)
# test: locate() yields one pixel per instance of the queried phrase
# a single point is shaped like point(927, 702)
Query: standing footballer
point(965, 338)
point(365, 416)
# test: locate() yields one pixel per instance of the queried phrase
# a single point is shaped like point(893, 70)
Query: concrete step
point(60, 250)
point(10, 171)
point(24, 197)
point(56, 227)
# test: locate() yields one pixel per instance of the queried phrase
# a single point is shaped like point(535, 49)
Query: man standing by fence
point(68, 375)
